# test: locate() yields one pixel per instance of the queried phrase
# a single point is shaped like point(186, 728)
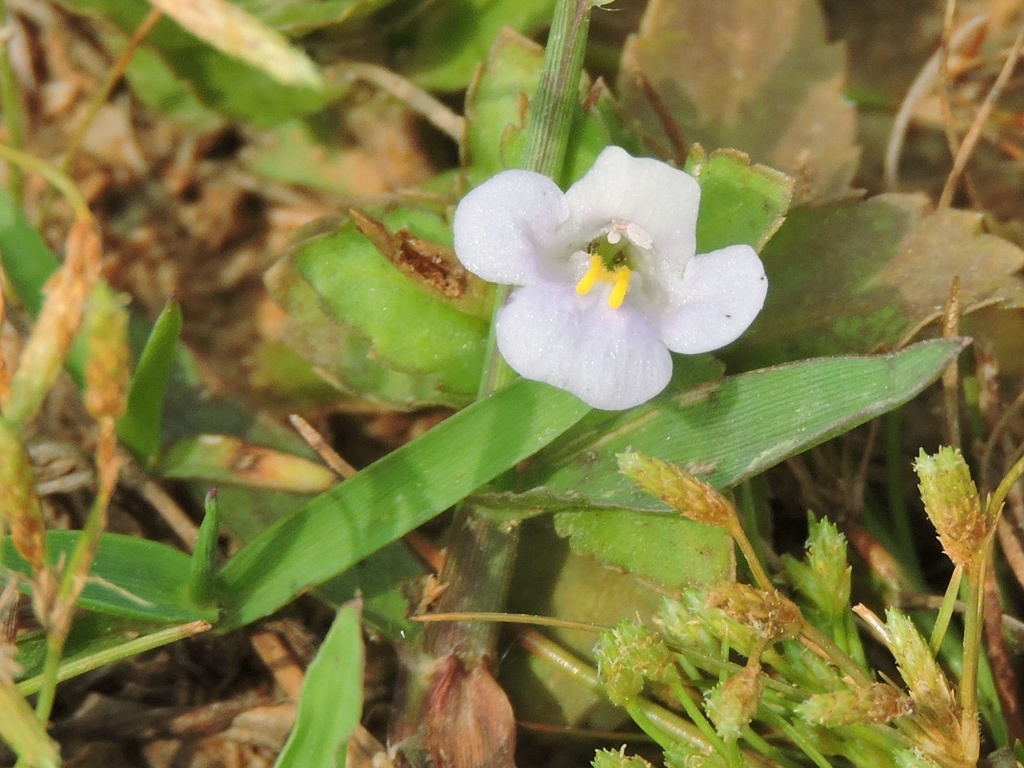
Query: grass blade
point(391, 497)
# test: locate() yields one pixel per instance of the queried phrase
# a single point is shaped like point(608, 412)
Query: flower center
point(613, 261)
point(618, 276)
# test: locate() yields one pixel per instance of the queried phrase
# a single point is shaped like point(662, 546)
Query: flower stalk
point(548, 123)
point(477, 571)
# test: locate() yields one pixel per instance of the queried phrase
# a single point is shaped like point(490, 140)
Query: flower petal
point(660, 199)
point(722, 293)
point(504, 227)
point(609, 358)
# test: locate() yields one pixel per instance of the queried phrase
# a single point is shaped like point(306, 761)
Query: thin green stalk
point(834, 653)
point(994, 505)
point(478, 567)
point(973, 628)
point(52, 175)
point(544, 648)
point(496, 372)
point(549, 120)
point(801, 741)
point(648, 726)
point(696, 715)
point(126, 650)
point(946, 610)
point(72, 581)
point(14, 117)
point(761, 577)
point(548, 124)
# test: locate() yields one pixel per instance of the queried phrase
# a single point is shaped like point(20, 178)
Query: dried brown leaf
point(756, 76)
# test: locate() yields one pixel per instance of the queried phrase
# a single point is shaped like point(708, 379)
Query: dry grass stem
point(974, 132)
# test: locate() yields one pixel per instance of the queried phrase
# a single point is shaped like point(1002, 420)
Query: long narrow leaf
point(735, 428)
point(139, 428)
point(331, 700)
point(391, 497)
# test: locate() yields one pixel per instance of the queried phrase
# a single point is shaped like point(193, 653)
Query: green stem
point(761, 577)
point(801, 741)
point(835, 654)
point(14, 117)
point(52, 175)
point(973, 620)
point(696, 716)
point(548, 124)
point(995, 502)
point(549, 120)
point(72, 581)
point(667, 722)
point(946, 610)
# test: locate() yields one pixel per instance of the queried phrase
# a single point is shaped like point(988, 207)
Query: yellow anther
point(618, 294)
point(595, 273)
point(619, 278)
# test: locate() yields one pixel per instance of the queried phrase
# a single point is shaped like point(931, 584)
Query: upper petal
point(609, 358)
point(662, 200)
point(722, 292)
point(503, 227)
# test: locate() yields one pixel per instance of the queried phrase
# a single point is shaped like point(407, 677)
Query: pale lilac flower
point(610, 276)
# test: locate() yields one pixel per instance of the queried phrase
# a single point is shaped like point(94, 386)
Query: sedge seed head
point(874, 705)
point(771, 615)
point(627, 657)
point(953, 505)
point(610, 758)
point(732, 704)
point(679, 489)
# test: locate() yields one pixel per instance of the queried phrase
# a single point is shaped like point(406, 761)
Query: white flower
point(609, 273)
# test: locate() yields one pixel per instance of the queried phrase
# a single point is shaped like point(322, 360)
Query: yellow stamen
point(595, 273)
point(619, 277)
point(618, 294)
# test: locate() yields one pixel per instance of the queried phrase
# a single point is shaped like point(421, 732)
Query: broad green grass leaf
point(96, 640)
point(452, 38)
point(394, 495)
point(129, 577)
point(760, 77)
point(724, 431)
point(390, 322)
point(140, 426)
point(231, 86)
point(729, 430)
point(850, 277)
point(739, 202)
point(332, 698)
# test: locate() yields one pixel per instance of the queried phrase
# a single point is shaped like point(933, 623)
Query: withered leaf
point(755, 76)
